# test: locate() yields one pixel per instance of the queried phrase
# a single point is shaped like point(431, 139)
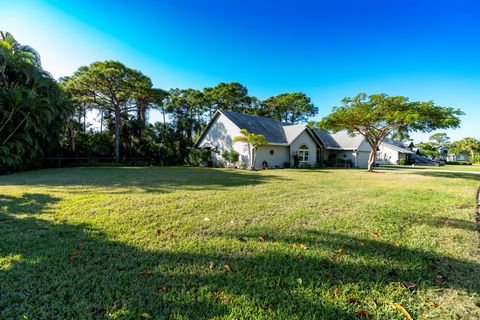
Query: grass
point(183, 243)
point(471, 168)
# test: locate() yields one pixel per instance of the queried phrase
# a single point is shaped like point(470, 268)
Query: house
point(395, 152)
point(285, 141)
point(445, 155)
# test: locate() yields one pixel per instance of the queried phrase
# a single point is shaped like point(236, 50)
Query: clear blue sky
point(426, 50)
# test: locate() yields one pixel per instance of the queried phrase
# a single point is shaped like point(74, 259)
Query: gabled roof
point(279, 133)
point(341, 140)
point(270, 128)
point(397, 146)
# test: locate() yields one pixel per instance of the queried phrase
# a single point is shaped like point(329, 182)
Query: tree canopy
point(289, 108)
point(32, 106)
point(111, 87)
point(378, 115)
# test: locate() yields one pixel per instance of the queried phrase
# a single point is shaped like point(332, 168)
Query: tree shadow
point(148, 179)
point(453, 175)
point(59, 270)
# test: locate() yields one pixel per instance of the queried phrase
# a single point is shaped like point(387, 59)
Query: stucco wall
point(220, 136)
point(386, 155)
point(304, 138)
point(279, 157)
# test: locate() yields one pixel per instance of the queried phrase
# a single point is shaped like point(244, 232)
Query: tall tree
point(440, 138)
point(186, 107)
point(289, 107)
point(469, 144)
point(376, 116)
point(32, 106)
point(254, 141)
point(110, 87)
point(228, 96)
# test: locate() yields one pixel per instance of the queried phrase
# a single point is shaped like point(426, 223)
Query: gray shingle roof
point(340, 140)
point(396, 145)
point(270, 128)
point(327, 139)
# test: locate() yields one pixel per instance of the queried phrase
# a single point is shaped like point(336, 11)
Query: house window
point(303, 153)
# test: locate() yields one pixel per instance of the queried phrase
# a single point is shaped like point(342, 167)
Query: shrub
point(459, 163)
point(403, 162)
point(231, 156)
point(286, 164)
point(199, 158)
point(296, 160)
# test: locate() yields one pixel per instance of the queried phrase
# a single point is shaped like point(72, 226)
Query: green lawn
point(188, 243)
point(472, 168)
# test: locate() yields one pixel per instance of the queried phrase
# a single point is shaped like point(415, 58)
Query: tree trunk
point(371, 159)
point(252, 167)
point(101, 121)
point(163, 113)
point(117, 134)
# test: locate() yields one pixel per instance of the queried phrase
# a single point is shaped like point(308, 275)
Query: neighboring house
point(445, 155)
point(395, 152)
point(284, 142)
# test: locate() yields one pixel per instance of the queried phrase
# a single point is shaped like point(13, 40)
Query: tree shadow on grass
point(147, 179)
point(453, 175)
point(60, 270)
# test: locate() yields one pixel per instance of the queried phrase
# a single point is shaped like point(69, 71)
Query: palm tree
point(254, 141)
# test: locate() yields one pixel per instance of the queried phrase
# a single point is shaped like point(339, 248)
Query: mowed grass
point(193, 243)
point(471, 168)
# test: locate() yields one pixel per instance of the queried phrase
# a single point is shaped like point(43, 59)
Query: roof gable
point(270, 128)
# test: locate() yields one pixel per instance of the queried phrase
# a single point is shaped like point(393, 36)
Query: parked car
point(424, 161)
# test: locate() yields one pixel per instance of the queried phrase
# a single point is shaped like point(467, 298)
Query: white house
point(395, 152)
point(285, 141)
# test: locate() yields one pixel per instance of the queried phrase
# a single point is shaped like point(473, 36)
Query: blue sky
point(426, 50)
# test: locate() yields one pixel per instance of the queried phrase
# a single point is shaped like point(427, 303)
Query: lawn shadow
point(148, 179)
point(61, 270)
point(453, 175)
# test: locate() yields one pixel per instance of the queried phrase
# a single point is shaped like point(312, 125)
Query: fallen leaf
point(170, 235)
point(144, 315)
point(206, 219)
point(439, 277)
point(362, 243)
point(434, 304)
point(212, 265)
point(227, 267)
point(163, 288)
point(145, 272)
point(449, 238)
point(398, 306)
point(352, 300)
point(303, 247)
point(408, 285)
point(376, 234)
point(333, 257)
point(364, 313)
point(159, 232)
point(262, 238)
point(72, 256)
point(338, 292)
point(340, 251)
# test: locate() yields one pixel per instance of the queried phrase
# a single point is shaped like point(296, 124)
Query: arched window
point(303, 153)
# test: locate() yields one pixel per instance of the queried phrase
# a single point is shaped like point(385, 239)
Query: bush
point(403, 162)
point(231, 156)
point(286, 164)
point(459, 163)
point(199, 158)
point(296, 160)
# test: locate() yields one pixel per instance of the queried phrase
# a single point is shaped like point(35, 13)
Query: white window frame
point(303, 154)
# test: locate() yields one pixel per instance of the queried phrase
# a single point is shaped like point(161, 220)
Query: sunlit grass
point(217, 243)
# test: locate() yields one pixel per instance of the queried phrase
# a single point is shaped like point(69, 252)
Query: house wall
point(278, 159)
point(220, 137)
point(306, 139)
point(386, 155)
